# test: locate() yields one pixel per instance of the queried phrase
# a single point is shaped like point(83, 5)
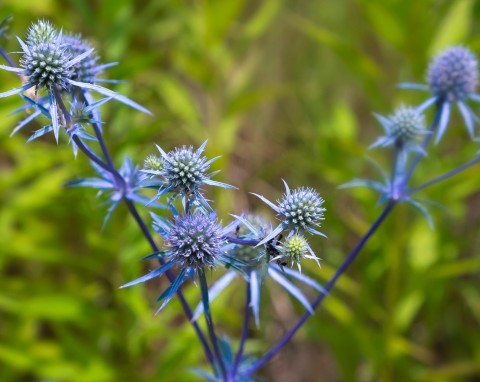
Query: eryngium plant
point(62, 69)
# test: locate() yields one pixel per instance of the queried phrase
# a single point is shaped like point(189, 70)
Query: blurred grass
point(281, 90)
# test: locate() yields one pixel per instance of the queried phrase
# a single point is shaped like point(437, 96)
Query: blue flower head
point(52, 63)
point(88, 69)
point(185, 170)
point(299, 210)
point(196, 240)
point(403, 130)
point(47, 63)
point(452, 79)
point(453, 74)
point(270, 260)
point(193, 242)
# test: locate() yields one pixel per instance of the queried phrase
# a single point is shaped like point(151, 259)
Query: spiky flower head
point(46, 65)
point(301, 208)
point(87, 69)
point(407, 125)
point(453, 74)
point(40, 32)
point(402, 129)
point(196, 241)
point(294, 249)
point(185, 169)
point(153, 163)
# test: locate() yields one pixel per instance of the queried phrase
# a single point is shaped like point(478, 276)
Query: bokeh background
point(281, 89)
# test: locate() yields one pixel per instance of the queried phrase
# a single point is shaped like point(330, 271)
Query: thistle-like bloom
point(403, 130)
point(88, 69)
point(152, 164)
point(49, 64)
point(294, 249)
point(262, 261)
point(299, 210)
point(452, 78)
point(40, 32)
point(128, 186)
point(193, 241)
point(185, 171)
point(196, 241)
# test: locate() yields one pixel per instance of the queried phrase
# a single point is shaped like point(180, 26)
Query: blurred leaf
point(454, 27)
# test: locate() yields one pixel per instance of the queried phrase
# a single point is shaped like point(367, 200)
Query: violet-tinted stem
point(447, 175)
point(426, 141)
point(245, 328)
point(89, 153)
point(209, 321)
point(331, 283)
point(7, 58)
point(101, 141)
point(235, 240)
point(131, 207)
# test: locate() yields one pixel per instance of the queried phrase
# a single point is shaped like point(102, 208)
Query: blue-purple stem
point(400, 191)
point(445, 176)
point(236, 240)
point(331, 283)
point(245, 329)
point(131, 207)
point(210, 326)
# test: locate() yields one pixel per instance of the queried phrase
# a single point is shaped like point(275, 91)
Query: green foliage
point(282, 89)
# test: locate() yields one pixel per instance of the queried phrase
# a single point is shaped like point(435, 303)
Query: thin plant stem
point(426, 141)
point(235, 240)
point(245, 329)
point(131, 207)
point(99, 135)
point(209, 321)
point(331, 283)
point(445, 176)
point(354, 253)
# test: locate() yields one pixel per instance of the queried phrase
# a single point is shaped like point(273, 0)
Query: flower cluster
point(59, 65)
point(452, 78)
point(65, 68)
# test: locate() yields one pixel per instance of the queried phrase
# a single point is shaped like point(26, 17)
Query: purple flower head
point(87, 69)
point(452, 79)
point(196, 240)
point(453, 74)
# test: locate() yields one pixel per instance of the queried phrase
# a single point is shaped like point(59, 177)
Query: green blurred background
point(281, 89)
